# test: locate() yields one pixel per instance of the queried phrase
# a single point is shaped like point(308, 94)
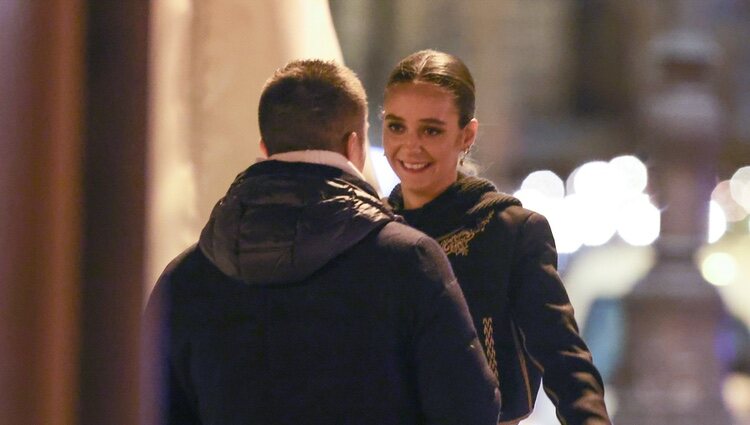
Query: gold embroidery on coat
point(458, 243)
point(489, 343)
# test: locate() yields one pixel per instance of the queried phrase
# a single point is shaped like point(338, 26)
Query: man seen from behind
point(305, 301)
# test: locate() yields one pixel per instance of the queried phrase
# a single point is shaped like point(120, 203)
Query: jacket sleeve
point(454, 382)
point(543, 315)
point(174, 403)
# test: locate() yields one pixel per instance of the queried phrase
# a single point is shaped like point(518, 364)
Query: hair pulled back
point(441, 69)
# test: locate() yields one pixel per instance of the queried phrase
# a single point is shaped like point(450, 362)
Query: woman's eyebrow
point(432, 121)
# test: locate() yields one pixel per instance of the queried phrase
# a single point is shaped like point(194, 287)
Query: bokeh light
point(739, 186)
point(719, 268)
point(599, 226)
point(630, 173)
point(640, 222)
point(547, 183)
point(534, 200)
point(566, 222)
point(722, 195)
point(603, 198)
point(717, 222)
point(593, 179)
point(569, 182)
point(387, 179)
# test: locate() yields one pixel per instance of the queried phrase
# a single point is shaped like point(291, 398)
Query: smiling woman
point(428, 123)
point(423, 140)
point(502, 254)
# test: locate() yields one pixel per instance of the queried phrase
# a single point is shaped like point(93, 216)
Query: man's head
point(314, 104)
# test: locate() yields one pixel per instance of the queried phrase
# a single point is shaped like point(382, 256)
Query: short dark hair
point(311, 104)
point(441, 69)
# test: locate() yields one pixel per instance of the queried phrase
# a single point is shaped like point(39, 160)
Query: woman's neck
point(415, 199)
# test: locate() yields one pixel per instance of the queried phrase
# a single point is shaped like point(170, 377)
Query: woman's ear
point(470, 134)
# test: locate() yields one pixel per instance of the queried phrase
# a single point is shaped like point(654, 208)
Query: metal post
point(670, 372)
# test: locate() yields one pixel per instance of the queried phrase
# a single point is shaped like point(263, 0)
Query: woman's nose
point(412, 141)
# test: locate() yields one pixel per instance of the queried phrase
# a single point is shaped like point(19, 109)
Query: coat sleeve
point(544, 317)
point(175, 405)
point(455, 384)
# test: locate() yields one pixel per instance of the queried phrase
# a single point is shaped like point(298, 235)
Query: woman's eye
point(395, 127)
point(432, 131)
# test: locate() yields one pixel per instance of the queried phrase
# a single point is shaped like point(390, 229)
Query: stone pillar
point(209, 61)
point(40, 209)
point(670, 372)
point(113, 202)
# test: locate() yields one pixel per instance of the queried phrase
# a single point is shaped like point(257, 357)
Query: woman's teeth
point(414, 165)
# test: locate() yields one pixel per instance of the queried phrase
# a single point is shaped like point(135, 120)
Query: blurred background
point(626, 123)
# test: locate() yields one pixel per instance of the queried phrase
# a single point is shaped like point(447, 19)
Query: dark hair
point(442, 69)
point(311, 104)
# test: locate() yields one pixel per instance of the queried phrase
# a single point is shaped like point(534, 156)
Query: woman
point(503, 255)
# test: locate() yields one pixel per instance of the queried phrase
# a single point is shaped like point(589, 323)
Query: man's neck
point(330, 158)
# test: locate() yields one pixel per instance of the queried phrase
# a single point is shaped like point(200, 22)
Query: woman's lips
point(414, 166)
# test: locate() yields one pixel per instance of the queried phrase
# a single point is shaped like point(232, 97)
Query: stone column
point(209, 61)
point(670, 372)
point(40, 209)
point(113, 202)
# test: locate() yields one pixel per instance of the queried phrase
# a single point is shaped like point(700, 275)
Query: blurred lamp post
point(670, 372)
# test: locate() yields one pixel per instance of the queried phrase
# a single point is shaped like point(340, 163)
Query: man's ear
point(263, 148)
point(355, 150)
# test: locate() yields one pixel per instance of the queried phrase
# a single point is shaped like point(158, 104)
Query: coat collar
point(322, 157)
point(460, 204)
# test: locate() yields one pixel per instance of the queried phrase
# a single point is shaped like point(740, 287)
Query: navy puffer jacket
point(306, 302)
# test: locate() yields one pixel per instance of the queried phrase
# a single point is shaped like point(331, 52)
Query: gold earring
point(464, 153)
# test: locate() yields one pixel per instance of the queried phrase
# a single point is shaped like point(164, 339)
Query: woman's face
point(422, 139)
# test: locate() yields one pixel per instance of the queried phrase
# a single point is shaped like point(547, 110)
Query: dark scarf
point(462, 203)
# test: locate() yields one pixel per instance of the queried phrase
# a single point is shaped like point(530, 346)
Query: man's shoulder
point(185, 270)
point(399, 236)
point(412, 254)
point(186, 262)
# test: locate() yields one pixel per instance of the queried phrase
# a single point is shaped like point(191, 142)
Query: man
point(305, 301)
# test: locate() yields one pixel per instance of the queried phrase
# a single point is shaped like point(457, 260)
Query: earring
point(464, 153)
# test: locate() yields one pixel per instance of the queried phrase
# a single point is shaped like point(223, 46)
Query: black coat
point(305, 302)
point(505, 260)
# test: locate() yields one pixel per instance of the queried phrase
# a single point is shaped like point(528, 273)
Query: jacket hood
point(280, 222)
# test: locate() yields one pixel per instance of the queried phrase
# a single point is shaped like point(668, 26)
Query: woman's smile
point(422, 139)
point(414, 166)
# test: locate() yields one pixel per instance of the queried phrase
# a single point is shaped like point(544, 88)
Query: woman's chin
point(415, 181)
point(417, 186)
